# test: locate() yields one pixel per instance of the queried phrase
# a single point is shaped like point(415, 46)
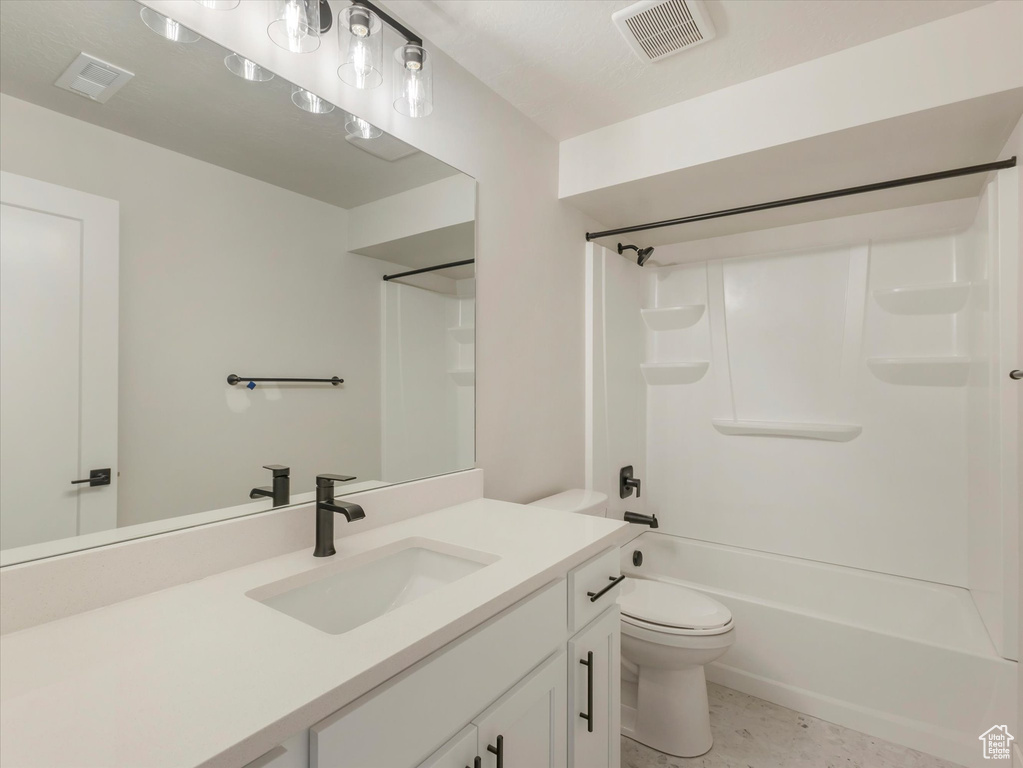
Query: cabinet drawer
point(587, 581)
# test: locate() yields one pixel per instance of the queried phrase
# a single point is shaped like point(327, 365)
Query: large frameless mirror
point(205, 298)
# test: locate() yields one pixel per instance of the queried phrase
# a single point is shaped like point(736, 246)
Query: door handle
point(1016, 375)
point(498, 750)
point(588, 715)
point(477, 763)
point(96, 477)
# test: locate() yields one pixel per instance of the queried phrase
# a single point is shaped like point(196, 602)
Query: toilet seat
point(671, 609)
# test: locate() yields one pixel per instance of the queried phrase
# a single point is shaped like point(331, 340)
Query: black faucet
point(281, 491)
point(627, 483)
point(326, 507)
point(635, 517)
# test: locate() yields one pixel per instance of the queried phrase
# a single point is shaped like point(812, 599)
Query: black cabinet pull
point(588, 714)
point(498, 750)
point(96, 477)
point(595, 596)
point(477, 763)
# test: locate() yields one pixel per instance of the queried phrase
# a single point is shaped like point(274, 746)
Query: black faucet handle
point(327, 481)
point(278, 470)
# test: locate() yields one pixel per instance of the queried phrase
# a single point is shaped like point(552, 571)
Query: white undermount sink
point(338, 599)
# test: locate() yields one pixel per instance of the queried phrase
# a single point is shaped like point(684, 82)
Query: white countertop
point(201, 674)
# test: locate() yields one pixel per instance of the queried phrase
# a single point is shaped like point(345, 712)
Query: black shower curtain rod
point(967, 171)
point(429, 269)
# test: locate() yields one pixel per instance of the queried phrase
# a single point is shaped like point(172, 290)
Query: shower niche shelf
point(948, 371)
point(463, 334)
point(672, 318)
point(933, 299)
point(839, 433)
point(661, 374)
point(463, 377)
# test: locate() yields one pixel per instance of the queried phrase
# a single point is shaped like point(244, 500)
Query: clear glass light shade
point(219, 5)
point(247, 70)
point(413, 81)
point(310, 102)
point(168, 28)
point(359, 128)
point(361, 43)
point(295, 25)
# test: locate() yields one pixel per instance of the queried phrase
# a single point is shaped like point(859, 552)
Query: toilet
point(669, 633)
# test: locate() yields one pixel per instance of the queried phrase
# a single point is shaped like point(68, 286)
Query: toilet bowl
point(669, 633)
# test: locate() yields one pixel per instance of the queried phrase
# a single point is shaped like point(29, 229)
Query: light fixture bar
point(393, 23)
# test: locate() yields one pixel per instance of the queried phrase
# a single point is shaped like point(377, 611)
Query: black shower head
point(643, 254)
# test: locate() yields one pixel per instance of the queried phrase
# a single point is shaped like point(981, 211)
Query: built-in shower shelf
point(839, 433)
point(463, 334)
point(463, 377)
point(672, 318)
point(949, 371)
point(934, 299)
point(660, 374)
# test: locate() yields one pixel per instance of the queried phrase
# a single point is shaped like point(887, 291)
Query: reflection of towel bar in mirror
point(430, 269)
point(235, 379)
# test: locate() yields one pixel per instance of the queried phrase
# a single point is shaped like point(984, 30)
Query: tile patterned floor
point(753, 733)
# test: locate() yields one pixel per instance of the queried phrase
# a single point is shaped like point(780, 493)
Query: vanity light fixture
point(296, 25)
point(360, 42)
point(219, 5)
point(359, 128)
point(168, 28)
point(413, 81)
point(310, 102)
point(247, 70)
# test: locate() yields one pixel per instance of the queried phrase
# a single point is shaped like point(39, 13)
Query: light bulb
point(295, 25)
point(360, 43)
point(167, 27)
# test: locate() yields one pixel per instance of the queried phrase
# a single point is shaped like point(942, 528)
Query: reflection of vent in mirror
point(95, 79)
point(386, 147)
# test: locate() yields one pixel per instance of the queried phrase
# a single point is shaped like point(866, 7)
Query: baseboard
point(957, 748)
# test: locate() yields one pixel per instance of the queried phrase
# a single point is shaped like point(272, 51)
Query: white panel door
point(594, 690)
point(526, 727)
point(58, 360)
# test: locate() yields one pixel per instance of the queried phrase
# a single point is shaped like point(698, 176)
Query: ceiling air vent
point(659, 28)
point(92, 78)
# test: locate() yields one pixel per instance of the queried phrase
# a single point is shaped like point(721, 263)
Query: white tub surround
point(203, 675)
point(905, 660)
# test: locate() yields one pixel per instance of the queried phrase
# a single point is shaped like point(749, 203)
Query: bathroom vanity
point(473, 635)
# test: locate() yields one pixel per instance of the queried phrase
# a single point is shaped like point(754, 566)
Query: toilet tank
point(578, 500)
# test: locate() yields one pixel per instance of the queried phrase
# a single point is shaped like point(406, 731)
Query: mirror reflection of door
point(58, 406)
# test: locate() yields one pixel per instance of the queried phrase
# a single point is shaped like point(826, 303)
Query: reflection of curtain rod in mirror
point(430, 269)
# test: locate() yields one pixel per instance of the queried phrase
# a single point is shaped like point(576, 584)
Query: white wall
point(529, 256)
point(209, 288)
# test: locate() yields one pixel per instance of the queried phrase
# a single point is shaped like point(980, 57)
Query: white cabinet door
point(594, 670)
point(526, 727)
point(460, 752)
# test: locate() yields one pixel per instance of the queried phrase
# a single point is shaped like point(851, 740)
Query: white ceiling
point(183, 98)
point(565, 65)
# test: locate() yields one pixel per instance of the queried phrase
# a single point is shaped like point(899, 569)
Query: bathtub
point(904, 660)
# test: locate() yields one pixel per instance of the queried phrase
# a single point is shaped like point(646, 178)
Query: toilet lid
point(671, 605)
